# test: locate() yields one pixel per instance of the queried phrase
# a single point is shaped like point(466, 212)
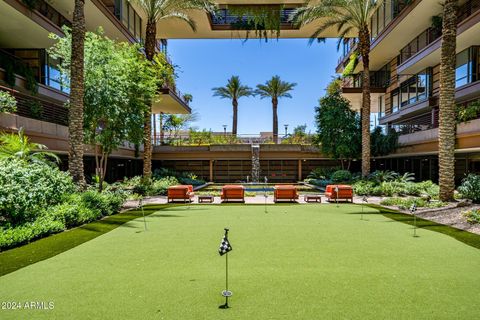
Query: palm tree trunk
point(364, 48)
point(235, 116)
point(447, 125)
point(275, 119)
point(150, 42)
point(75, 111)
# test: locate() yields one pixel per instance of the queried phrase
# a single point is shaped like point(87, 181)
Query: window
point(415, 89)
point(462, 68)
point(381, 106)
point(422, 85)
point(404, 95)
point(129, 18)
point(374, 25)
point(53, 76)
point(395, 101)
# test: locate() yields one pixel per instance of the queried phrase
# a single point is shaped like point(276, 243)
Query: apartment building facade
point(405, 78)
point(32, 76)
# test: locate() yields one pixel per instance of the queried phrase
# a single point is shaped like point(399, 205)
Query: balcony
point(426, 141)
point(171, 101)
point(424, 50)
point(40, 108)
point(348, 47)
point(224, 19)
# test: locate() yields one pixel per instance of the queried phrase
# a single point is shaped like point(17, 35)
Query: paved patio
point(259, 199)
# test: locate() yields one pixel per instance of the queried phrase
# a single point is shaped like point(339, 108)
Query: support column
point(299, 169)
point(154, 129)
point(211, 170)
point(161, 128)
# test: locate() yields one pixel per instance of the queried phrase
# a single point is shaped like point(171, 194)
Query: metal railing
point(225, 17)
point(36, 108)
point(431, 34)
point(209, 138)
point(50, 13)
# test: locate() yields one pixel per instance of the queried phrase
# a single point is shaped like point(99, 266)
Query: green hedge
point(27, 188)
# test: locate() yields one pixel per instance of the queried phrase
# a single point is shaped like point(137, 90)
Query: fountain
point(255, 163)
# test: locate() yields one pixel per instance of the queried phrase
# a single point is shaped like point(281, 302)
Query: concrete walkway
point(259, 199)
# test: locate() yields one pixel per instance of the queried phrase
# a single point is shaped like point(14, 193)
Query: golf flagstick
point(336, 195)
point(265, 195)
point(225, 247)
point(364, 200)
point(140, 203)
point(413, 209)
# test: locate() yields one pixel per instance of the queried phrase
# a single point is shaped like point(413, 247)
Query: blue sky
point(204, 64)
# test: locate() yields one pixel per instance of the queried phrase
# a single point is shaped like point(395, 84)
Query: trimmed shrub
point(406, 203)
point(363, 188)
point(473, 216)
point(470, 188)
point(27, 188)
point(159, 187)
point(341, 176)
point(45, 224)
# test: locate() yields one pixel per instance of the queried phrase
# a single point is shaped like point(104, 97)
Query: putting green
point(294, 262)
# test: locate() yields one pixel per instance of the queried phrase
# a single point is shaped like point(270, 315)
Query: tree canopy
point(338, 128)
point(119, 82)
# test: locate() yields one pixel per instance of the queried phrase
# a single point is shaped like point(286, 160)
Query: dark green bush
point(27, 188)
point(341, 176)
point(77, 209)
point(45, 224)
point(470, 188)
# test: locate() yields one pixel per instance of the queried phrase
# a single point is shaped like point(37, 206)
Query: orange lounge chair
point(345, 192)
point(181, 192)
point(285, 192)
point(233, 192)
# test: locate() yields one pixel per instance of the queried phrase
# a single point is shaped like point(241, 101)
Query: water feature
point(255, 163)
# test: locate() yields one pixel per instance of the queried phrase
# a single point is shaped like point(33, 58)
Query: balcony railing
point(208, 138)
point(348, 47)
point(50, 13)
point(224, 17)
point(34, 107)
point(173, 89)
point(433, 33)
point(378, 79)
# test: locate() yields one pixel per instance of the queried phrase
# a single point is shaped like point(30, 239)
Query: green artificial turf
point(294, 262)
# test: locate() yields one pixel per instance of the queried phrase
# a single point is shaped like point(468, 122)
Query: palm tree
point(158, 10)
point(347, 16)
point(275, 88)
point(75, 110)
point(19, 146)
point(447, 125)
point(233, 90)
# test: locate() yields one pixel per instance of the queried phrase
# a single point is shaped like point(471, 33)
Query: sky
point(204, 64)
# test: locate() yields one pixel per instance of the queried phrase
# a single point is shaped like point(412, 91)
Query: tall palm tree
point(275, 88)
point(158, 10)
point(347, 16)
point(447, 124)
point(75, 111)
point(233, 90)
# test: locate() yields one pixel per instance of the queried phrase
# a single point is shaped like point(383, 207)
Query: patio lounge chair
point(345, 192)
point(285, 192)
point(233, 192)
point(182, 192)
